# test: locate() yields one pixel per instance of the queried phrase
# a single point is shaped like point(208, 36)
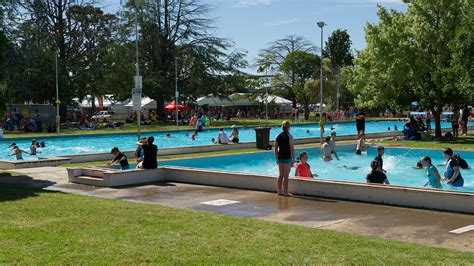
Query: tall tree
point(411, 56)
point(302, 67)
point(180, 31)
point(338, 49)
point(271, 59)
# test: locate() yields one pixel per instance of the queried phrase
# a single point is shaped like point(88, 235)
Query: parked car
point(102, 116)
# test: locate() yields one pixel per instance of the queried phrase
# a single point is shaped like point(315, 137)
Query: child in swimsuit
point(432, 174)
point(302, 167)
point(326, 150)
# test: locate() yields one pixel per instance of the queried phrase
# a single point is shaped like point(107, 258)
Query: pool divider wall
point(41, 162)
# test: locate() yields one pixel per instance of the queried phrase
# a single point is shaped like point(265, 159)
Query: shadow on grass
point(17, 187)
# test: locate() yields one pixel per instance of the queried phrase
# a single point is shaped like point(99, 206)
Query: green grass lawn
point(462, 143)
point(41, 227)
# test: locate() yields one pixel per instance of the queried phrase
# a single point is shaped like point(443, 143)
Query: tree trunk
point(437, 117)
point(306, 112)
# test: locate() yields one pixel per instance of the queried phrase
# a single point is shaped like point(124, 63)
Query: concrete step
point(99, 173)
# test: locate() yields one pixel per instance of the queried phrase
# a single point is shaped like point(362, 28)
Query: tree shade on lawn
point(44, 227)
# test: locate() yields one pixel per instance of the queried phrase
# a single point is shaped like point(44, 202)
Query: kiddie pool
point(398, 162)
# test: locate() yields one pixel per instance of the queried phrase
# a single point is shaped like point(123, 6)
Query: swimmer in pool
point(307, 131)
point(33, 147)
point(213, 141)
point(432, 174)
point(388, 128)
point(419, 165)
point(302, 167)
point(333, 127)
point(395, 127)
point(168, 136)
point(186, 134)
point(350, 167)
point(326, 150)
point(18, 152)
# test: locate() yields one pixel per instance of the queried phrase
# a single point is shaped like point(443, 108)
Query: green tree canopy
point(412, 57)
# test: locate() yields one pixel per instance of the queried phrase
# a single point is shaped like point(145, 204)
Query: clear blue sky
point(252, 24)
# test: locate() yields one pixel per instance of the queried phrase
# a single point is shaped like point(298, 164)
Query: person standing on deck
point(285, 157)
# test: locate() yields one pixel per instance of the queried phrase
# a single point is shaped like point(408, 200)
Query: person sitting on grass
point(302, 167)
point(119, 157)
point(432, 174)
point(376, 176)
point(462, 163)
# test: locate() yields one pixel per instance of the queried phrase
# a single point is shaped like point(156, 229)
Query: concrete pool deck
point(404, 224)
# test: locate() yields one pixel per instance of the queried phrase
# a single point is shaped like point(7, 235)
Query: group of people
point(145, 155)
point(286, 159)
point(18, 152)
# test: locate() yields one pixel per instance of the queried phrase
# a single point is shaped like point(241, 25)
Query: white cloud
point(281, 22)
point(250, 3)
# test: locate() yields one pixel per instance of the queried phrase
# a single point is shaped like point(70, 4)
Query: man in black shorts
point(360, 124)
point(466, 112)
point(150, 151)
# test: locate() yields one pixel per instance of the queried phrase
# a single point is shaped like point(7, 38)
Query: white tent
point(240, 99)
point(146, 103)
point(87, 102)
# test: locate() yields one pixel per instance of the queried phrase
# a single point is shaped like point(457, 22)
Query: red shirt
point(303, 169)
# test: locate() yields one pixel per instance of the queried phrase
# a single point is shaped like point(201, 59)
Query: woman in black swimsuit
point(285, 157)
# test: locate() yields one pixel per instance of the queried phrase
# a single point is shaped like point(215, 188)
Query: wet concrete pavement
point(411, 225)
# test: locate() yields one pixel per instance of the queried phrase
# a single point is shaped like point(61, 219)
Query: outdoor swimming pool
point(398, 162)
point(68, 145)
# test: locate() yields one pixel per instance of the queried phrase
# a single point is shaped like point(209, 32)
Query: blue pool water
point(398, 162)
point(67, 145)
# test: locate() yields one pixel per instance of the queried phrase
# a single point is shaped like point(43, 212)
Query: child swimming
point(17, 152)
point(302, 167)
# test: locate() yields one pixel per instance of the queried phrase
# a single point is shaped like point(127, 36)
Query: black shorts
point(455, 126)
point(360, 128)
point(235, 140)
point(428, 123)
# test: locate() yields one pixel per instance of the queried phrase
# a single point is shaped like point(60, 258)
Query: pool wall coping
point(422, 198)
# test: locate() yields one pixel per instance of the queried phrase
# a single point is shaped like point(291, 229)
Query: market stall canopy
point(240, 99)
point(172, 106)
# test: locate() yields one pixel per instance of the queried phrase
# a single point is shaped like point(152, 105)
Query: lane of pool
point(66, 145)
point(398, 162)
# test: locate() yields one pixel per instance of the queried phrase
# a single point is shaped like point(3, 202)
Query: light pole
point(176, 90)
point(58, 118)
point(321, 24)
point(266, 96)
point(137, 93)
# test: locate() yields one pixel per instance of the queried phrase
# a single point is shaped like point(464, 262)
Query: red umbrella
point(172, 106)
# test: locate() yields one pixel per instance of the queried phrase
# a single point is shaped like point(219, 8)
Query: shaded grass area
point(41, 227)
point(168, 157)
point(462, 143)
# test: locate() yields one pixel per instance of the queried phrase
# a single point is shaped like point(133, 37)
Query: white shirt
point(223, 139)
